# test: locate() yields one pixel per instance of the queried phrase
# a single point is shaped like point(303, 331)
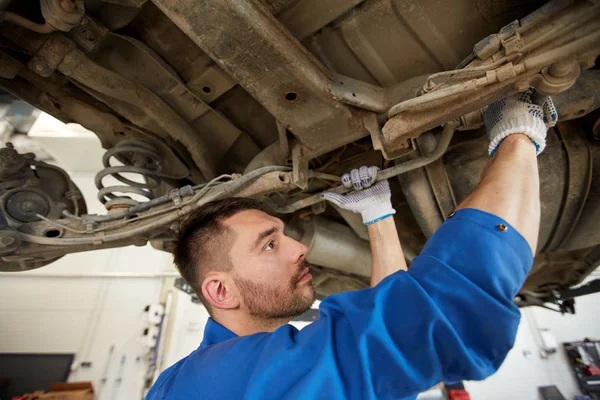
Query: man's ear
point(219, 291)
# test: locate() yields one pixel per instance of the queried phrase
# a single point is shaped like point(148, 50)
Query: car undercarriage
point(276, 99)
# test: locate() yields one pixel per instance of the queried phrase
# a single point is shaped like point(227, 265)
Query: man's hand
point(509, 186)
point(527, 113)
point(372, 202)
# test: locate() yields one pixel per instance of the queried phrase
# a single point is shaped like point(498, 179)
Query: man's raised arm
point(373, 201)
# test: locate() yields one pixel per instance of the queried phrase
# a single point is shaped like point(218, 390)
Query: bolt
point(6, 241)
point(88, 35)
point(39, 67)
point(27, 206)
point(67, 6)
point(563, 68)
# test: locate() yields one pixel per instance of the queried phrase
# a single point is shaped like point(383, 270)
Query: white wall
point(186, 328)
point(86, 316)
point(519, 376)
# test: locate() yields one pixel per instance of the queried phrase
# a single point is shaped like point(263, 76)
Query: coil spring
point(143, 160)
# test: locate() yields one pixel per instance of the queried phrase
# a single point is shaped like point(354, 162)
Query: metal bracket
point(175, 197)
point(319, 208)
point(371, 124)
point(89, 34)
point(300, 165)
point(284, 143)
point(512, 44)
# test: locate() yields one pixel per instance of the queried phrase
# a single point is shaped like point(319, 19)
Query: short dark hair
point(201, 239)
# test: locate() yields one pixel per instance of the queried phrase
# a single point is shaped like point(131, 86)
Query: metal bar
point(588, 288)
point(440, 149)
point(164, 215)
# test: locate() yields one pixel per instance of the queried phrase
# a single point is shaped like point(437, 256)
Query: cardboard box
point(66, 391)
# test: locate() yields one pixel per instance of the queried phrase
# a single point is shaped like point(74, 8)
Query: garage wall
point(524, 369)
point(86, 316)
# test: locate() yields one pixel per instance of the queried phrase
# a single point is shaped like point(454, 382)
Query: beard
point(276, 302)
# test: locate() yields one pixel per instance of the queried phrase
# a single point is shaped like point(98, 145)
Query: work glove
point(371, 200)
point(526, 112)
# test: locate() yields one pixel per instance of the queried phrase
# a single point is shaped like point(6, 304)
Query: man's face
point(268, 267)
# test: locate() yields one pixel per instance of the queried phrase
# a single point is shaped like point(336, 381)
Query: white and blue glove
point(373, 201)
point(526, 112)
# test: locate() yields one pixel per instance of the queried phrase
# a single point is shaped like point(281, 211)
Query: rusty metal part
point(89, 34)
point(385, 174)
point(12, 164)
point(552, 66)
point(272, 182)
point(440, 149)
point(281, 73)
point(559, 76)
point(118, 52)
point(47, 58)
point(427, 190)
point(9, 67)
point(300, 165)
point(71, 62)
point(160, 217)
point(372, 126)
point(110, 129)
point(25, 23)
point(76, 65)
point(62, 14)
point(490, 45)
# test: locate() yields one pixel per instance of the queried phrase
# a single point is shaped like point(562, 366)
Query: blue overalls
point(451, 317)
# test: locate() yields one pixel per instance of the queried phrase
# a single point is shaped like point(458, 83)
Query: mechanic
point(450, 317)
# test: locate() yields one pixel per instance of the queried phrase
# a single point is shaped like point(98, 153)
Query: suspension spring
point(139, 158)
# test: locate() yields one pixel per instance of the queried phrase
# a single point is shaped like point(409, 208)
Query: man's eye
point(270, 246)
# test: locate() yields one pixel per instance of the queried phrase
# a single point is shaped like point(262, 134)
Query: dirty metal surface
point(272, 66)
point(208, 83)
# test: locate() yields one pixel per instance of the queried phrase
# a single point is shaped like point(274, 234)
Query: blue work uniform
point(450, 317)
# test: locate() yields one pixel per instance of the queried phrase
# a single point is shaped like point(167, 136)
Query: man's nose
point(300, 250)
